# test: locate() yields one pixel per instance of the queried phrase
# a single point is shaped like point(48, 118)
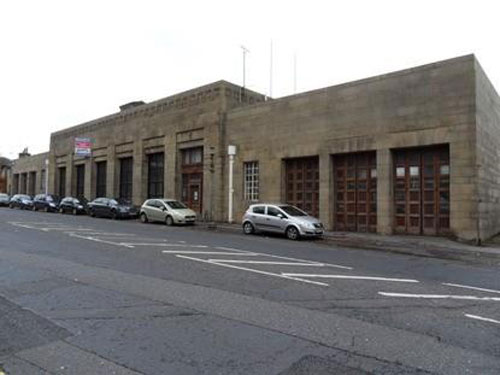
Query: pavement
point(80, 295)
point(423, 246)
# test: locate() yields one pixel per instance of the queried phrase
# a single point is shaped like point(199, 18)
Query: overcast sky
point(66, 62)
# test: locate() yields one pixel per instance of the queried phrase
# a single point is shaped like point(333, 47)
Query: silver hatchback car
point(168, 211)
point(281, 218)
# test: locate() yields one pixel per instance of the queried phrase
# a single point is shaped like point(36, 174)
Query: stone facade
point(28, 174)
point(448, 105)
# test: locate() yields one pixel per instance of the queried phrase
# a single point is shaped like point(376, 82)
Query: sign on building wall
point(83, 147)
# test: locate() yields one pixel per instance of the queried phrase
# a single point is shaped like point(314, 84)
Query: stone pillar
point(385, 195)
point(87, 189)
point(138, 179)
point(111, 190)
point(325, 190)
point(169, 186)
point(28, 184)
point(52, 170)
point(69, 175)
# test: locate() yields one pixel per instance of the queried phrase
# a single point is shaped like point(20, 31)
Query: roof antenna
point(271, 72)
point(245, 51)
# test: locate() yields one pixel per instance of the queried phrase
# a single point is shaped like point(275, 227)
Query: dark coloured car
point(76, 206)
point(46, 202)
point(4, 200)
point(112, 208)
point(22, 201)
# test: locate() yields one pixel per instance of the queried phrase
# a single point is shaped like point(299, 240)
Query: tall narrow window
point(62, 182)
point(251, 175)
point(126, 170)
point(80, 181)
point(100, 188)
point(155, 175)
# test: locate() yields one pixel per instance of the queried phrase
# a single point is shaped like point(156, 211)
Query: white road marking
point(101, 241)
point(106, 234)
point(252, 270)
point(351, 277)
point(207, 252)
point(482, 318)
point(162, 244)
point(440, 296)
point(230, 248)
point(473, 288)
point(266, 262)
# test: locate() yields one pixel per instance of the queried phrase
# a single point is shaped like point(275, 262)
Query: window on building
point(155, 175)
point(192, 156)
point(100, 188)
point(251, 183)
point(62, 182)
point(80, 181)
point(126, 170)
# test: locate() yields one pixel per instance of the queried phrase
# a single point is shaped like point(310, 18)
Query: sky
point(63, 63)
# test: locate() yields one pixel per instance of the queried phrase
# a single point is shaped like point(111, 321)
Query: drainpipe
point(231, 151)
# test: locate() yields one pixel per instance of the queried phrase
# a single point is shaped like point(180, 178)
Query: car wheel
point(61, 210)
point(248, 228)
point(11, 206)
point(34, 208)
point(169, 221)
point(46, 209)
point(144, 218)
point(292, 233)
point(114, 215)
point(75, 211)
point(91, 213)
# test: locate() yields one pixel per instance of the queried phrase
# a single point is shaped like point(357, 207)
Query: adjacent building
point(415, 151)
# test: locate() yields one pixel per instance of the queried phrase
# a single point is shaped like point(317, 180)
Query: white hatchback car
point(168, 211)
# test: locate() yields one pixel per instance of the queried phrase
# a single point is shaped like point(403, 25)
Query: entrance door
point(192, 189)
point(422, 191)
point(302, 184)
point(355, 177)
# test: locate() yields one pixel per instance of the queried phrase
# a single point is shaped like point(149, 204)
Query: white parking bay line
point(266, 262)
point(472, 287)
point(207, 252)
point(440, 296)
point(252, 270)
point(162, 244)
point(351, 277)
point(477, 317)
point(101, 241)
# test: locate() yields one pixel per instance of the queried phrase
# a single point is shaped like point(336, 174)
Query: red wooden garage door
point(422, 191)
point(302, 184)
point(355, 178)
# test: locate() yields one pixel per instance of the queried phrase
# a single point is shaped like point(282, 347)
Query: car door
point(154, 209)
point(275, 219)
point(258, 217)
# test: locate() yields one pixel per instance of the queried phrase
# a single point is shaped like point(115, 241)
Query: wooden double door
point(302, 184)
point(355, 181)
point(422, 191)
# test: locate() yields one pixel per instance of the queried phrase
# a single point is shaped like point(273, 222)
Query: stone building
point(5, 167)
point(28, 174)
point(414, 151)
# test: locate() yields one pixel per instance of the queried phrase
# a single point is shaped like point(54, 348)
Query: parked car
point(46, 202)
point(4, 200)
point(168, 211)
point(76, 206)
point(113, 208)
point(281, 218)
point(22, 201)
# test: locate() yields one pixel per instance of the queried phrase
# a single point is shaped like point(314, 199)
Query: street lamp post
point(231, 151)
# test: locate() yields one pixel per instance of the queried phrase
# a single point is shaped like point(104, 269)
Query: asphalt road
point(94, 296)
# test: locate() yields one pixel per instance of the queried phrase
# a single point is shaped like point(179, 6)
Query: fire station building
point(415, 151)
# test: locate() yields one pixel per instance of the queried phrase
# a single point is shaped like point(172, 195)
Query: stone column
point(169, 186)
point(111, 190)
point(28, 184)
point(52, 170)
point(138, 179)
point(87, 189)
point(69, 175)
point(325, 190)
point(385, 195)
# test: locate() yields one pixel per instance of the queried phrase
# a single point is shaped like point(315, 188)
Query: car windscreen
point(4, 196)
point(121, 201)
point(175, 205)
point(24, 197)
point(293, 211)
